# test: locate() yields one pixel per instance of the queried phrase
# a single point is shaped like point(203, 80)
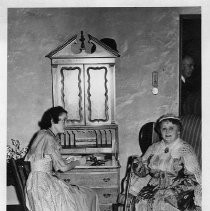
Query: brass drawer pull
point(106, 179)
point(106, 195)
point(67, 180)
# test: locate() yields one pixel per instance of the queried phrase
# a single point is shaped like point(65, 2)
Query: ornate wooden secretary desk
point(83, 76)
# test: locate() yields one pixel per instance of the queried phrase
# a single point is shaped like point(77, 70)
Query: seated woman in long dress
point(45, 192)
point(172, 172)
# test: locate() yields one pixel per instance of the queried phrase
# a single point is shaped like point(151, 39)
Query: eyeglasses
point(62, 120)
point(188, 65)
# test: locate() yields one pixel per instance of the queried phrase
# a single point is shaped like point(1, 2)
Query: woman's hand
point(82, 161)
point(73, 164)
point(177, 164)
point(137, 163)
point(139, 168)
point(70, 159)
point(79, 161)
point(137, 160)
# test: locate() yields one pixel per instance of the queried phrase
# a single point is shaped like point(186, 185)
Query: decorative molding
point(60, 47)
point(79, 95)
point(105, 94)
point(89, 45)
point(89, 136)
point(54, 65)
point(83, 43)
point(115, 53)
point(111, 64)
point(82, 60)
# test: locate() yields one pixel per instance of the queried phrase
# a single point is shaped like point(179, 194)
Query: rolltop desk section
point(83, 81)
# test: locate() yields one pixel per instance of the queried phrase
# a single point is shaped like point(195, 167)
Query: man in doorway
point(190, 89)
point(187, 69)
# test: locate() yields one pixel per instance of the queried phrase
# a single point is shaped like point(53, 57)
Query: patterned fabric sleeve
point(190, 161)
point(149, 152)
point(36, 152)
point(46, 144)
point(192, 166)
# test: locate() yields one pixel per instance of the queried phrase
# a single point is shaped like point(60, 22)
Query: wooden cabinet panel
point(68, 91)
point(72, 93)
point(106, 207)
point(107, 195)
point(105, 182)
point(86, 92)
point(98, 93)
point(91, 180)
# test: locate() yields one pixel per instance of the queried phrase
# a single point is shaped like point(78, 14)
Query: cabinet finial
point(83, 43)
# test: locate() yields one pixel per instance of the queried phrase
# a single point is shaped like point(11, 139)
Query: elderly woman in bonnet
point(171, 169)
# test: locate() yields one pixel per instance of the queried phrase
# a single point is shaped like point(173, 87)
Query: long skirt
point(45, 192)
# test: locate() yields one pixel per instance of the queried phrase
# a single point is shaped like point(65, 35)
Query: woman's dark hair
point(168, 117)
point(51, 114)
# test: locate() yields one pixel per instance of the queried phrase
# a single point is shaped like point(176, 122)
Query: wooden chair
point(20, 170)
point(147, 136)
point(125, 201)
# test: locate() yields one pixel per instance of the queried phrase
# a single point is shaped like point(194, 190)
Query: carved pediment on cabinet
point(83, 45)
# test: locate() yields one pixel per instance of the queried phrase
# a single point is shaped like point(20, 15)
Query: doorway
point(190, 46)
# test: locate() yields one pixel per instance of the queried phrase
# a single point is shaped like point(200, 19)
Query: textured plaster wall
point(147, 39)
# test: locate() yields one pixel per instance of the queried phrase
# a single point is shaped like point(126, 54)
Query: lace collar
point(169, 147)
point(58, 140)
point(50, 131)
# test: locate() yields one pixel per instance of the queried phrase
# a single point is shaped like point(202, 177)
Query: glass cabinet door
point(70, 92)
point(86, 92)
point(97, 94)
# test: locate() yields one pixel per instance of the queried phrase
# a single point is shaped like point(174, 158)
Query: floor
point(20, 208)
point(14, 208)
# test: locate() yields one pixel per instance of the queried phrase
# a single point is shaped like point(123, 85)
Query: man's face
point(187, 67)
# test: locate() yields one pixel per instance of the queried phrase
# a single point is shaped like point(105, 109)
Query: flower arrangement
point(14, 151)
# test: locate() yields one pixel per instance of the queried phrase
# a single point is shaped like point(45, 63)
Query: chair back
point(147, 136)
point(124, 201)
point(21, 170)
point(191, 133)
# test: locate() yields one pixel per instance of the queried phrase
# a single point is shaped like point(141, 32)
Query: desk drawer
point(105, 207)
point(91, 180)
point(106, 195)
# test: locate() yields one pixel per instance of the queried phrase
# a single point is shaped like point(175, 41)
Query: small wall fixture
point(155, 82)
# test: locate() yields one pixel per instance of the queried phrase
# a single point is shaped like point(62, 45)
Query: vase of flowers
point(14, 151)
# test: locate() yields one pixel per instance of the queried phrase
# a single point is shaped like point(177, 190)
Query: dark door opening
point(190, 57)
